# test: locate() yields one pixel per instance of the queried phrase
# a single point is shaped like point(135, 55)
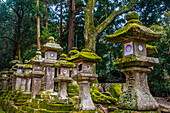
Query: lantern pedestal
point(36, 82)
point(63, 82)
point(136, 95)
point(83, 80)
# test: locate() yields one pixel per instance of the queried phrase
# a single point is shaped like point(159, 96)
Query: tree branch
point(8, 38)
point(113, 15)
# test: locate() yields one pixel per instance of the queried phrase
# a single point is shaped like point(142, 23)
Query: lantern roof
point(133, 29)
point(85, 55)
point(63, 62)
point(37, 58)
point(51, 46)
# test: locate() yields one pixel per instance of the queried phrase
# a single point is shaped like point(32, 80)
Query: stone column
point(86, 100)
point(63, 90)
point(23, 83)
point(4, 83)
point(28, 83)
point(36, 86)
point(48, 79)
point(18, 83)
point(13, 82)
point(137, 93)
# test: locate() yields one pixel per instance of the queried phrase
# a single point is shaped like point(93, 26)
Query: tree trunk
point(38, 27)
point(46, 16)
point(71, 25)
point(91, 32)
point(61, 19)
point(19, 51)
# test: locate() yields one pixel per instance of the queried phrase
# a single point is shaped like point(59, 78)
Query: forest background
point(25, 25)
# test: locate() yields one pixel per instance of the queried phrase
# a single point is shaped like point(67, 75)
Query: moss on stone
point(133, 28)
point(98, 97)
point(86, 55)
point(132, 15)
point(115, 90)
point(73, 89)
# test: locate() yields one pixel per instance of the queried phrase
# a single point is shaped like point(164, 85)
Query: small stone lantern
point(4, 80)
point(50, 49)
point(28, 70)
point(84, 75)
point(64, 71)
point(135, 64)
point(19, 75)
point(37, 73)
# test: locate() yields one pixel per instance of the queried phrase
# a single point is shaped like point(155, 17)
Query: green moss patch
point(100, 98)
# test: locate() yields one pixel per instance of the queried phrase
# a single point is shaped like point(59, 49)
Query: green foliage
point(73, 89)
point(115, 90)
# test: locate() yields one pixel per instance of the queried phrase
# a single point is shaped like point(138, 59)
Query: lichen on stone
point(86, 55)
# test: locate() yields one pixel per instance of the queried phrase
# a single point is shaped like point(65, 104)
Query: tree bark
point(38, 27)
point(91, 32)
point(71, 25)
point(61, 19)
point(46, 16)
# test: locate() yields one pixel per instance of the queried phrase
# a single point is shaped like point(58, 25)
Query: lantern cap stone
point(19, 66)
point(85, 55)
point(51, 46)
point(63, 62)
point(16, 61)
point(73, 51)
point(133, 29)
point(37, 58)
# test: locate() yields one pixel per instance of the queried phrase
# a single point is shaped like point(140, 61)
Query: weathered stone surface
point(86, 100)
point(48, 79)
point(36, 86)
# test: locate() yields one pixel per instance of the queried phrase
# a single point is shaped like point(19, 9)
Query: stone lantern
point(28, 70)
point(50, 49)
point(64, 71)
point(13, 62)
point(37, 73)
point(135, 64)
point(19, 75)
point(84, 74)
point(4, 80)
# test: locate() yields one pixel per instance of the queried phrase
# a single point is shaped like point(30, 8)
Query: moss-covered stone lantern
point(19, 75)
point(84, 74)
point(4, 79)
point(64, 71)
point(135, 64)
point(13, 62)
point(37, 73)
point(50, 49)
point(28, 69)
point(10, 73)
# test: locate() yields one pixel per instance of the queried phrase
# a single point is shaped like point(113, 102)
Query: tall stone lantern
point(37, 73)
point(84, 74)
point(50, 49)
point(19, 75)
point(64, 71)
point(135, 64)
point(13, 62)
